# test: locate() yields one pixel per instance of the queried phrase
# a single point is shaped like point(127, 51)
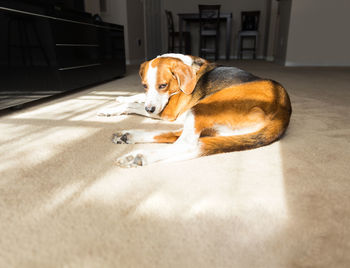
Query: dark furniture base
point(46, 50)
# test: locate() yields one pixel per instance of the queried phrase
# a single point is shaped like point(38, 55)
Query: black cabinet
point(45, 51)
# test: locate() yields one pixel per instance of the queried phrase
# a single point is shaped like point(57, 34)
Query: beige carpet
point(64, 204)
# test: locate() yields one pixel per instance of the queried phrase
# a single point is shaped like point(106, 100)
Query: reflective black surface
point(42, 55)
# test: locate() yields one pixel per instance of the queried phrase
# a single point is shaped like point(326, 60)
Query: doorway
point(153, 35)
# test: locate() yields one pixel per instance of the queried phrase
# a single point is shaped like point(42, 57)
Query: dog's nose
point(150, 109)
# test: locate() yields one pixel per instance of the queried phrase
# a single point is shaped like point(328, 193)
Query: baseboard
point(232, 57)
point(303, 64)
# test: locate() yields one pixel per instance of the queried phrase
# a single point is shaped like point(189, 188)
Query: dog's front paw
point(135, 159)
point(106, 112)
point(122, 138)
point(119, 110)
point(122, 99)
point(138, 98)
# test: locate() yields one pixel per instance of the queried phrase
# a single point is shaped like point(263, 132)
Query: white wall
point(92, 6)
point(234, 6)
point(319, 33)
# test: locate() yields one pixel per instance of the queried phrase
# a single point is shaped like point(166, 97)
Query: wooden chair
point(249, 31)
point(173, 37)
point(209, 28)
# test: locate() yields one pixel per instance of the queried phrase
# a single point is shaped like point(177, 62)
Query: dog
point(225, 109)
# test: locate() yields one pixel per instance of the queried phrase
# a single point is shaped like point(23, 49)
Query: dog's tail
point(271, 132)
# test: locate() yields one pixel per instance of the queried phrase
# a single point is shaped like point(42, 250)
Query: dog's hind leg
point(170, 153)
point(185, 147)
point(143, 136)
point(168, 137)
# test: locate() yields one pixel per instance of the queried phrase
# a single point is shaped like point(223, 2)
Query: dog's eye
point(144, 86)
point(162, 86)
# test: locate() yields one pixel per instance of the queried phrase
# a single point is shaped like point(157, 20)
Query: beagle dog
point(225, 109)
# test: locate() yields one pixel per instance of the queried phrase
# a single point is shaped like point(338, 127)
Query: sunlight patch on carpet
point(36, 144)
point(253, 190)
point(62, 195)
point(66, 109)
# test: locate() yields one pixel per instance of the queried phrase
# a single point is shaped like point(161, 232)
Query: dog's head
point(165, 76)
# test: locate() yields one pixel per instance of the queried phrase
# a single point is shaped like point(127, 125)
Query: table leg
point(180, 34)
point(228, 36)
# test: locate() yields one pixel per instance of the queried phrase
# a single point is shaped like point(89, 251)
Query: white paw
point(135, 159)
point(118, 110)
point(122, 138)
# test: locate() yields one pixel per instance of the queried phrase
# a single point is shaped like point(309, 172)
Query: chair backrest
point(170, 20)
point(209, 17)
point(250, 20)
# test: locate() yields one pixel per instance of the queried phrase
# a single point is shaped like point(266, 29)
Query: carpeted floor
point(63, 203)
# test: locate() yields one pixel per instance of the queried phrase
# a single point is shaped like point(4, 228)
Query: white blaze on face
point(153, 97)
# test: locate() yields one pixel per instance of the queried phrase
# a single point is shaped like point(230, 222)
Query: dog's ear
point(185, 77)
point(142, 69)
point(198, 63)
